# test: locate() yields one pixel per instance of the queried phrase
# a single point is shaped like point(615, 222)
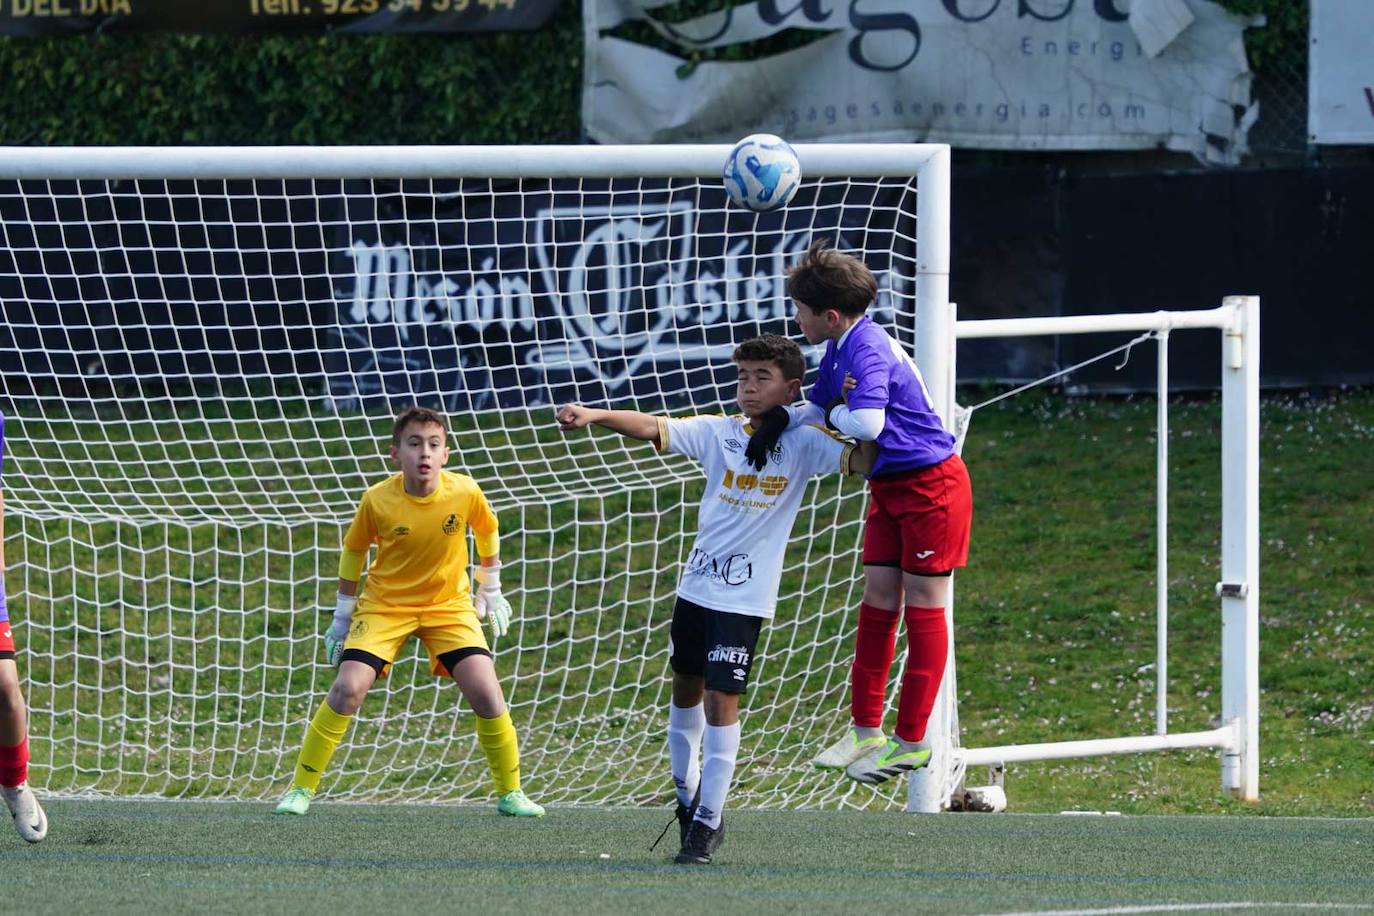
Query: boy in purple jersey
point(28, 815)
point(920, 508)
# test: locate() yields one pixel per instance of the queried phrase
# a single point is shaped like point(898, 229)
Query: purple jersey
point(888, 380)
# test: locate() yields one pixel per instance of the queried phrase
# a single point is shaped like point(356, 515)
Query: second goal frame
point(1237, 737)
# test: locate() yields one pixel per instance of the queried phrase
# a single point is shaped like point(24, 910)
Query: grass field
point(180, 657)
point(139, 857)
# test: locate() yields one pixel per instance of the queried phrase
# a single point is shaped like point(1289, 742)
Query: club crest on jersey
point(451, 524)
point(358, 629)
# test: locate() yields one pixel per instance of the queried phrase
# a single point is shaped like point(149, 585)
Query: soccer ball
point(762, 172)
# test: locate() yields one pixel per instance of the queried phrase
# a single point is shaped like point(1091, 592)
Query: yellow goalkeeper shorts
point(383, 633)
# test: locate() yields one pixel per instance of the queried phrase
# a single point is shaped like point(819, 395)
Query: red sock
point(927, 649)
point(873, 650)
point(14, 764)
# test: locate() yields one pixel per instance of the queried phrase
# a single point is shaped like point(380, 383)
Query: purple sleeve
point(871, 375)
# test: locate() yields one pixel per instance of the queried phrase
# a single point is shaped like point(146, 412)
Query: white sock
point(717, 770)
point(685, 725)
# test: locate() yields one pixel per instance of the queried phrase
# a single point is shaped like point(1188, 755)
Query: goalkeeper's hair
point(770, 348)
point(416, 414)
point(828, 279)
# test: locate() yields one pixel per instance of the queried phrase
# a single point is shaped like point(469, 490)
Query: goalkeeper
point(417, 584)
point(729, 584)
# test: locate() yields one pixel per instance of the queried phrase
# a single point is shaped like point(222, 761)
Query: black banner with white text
point(54, 18)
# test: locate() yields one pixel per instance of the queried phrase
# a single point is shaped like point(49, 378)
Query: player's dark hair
point(416, 414)
point(770, 348)
point(828, 279)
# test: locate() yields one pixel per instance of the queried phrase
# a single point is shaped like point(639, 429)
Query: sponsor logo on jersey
point(733, 445)
point(451, 524)
point(735, 569)
point(730, 655)
point(739, 674)
point(768, 484)
point(772, 485)
point(400, 531)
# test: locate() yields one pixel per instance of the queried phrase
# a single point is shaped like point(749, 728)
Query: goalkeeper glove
point(768, 429)
point(492, 608)
point(337, 634)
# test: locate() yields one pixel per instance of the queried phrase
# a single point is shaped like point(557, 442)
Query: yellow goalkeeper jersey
point(422, 552)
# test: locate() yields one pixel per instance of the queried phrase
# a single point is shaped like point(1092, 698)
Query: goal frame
point(932, 789)
point(927, 166)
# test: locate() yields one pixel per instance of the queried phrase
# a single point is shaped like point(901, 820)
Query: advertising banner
point(992, 74)
point(571, 292)
point(50, 18)
point(1340, 85)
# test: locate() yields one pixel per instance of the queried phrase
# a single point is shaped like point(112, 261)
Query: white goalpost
point(942, 783)
point(200, 354)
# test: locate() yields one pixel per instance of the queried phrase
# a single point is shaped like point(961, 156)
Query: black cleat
point(683, 815)
point(699, 843)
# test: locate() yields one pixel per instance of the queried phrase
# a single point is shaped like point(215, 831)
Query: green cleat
point(295, 801)
point(895, 758)
point(848, 749)
point(515, 804)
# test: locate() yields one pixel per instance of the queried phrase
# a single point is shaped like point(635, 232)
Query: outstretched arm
point(629, 423)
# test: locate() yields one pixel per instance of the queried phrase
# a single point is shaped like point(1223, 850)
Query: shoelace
point(667, 827)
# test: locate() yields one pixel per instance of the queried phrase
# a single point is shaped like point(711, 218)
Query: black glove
point(830, 424)
point(768, 429)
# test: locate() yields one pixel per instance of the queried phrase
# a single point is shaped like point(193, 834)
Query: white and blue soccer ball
point(762, 172)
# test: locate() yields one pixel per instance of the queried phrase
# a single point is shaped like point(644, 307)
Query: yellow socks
point(327, 729)
point(323, 735)
point(497, 737)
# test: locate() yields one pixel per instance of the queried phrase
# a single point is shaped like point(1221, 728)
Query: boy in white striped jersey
point(729, 585)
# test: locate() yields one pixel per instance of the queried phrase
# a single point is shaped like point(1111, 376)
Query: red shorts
point(6, 640)
point(919, 520)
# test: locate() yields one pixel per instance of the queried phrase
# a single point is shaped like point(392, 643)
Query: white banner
point(1340, 85)
point(993, 74)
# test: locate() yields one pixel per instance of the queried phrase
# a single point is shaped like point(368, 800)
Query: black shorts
point(717, 644)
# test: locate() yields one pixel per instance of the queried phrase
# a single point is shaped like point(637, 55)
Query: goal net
point(202, 351)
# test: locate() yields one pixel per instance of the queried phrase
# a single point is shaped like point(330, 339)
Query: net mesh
point(199, 379)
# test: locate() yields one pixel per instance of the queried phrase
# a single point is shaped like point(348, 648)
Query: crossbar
point(818, 160)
